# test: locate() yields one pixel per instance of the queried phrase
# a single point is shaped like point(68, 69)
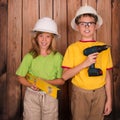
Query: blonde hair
point(35, 50)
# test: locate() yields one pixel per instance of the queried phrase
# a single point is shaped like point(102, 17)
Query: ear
point(77, 27)
point(97, 26)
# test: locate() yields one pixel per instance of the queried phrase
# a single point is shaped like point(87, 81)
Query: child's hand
point(108, 108)
point(34, 87)
point(90, 59)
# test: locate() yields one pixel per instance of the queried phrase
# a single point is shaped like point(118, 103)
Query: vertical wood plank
point(89, 2)
point(3, 2)
point(30, 16)
point(116, 56)
point(60, 17)
point(13, 57)
point(104, 9)
point(46, 8)
point(73, 6)
point(3, 55)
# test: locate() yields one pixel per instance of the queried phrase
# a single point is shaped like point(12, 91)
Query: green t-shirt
point(46, 67)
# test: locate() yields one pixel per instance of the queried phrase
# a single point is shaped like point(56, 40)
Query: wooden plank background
point(17, 18)
point(116, 56)
point(3, 57)
point(14, 50)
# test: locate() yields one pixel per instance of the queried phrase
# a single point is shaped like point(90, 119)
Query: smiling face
point(44, 41)
point(87, 27)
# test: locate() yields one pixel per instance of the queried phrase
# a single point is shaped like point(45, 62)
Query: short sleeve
point(68, 58)
point(109, 63)
point(59, 59)
point(25, 65)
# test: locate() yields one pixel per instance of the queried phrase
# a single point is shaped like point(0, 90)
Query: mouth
point(87, 31)
point(43, 43)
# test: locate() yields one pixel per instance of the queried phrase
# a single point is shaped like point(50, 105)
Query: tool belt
point(42, 85)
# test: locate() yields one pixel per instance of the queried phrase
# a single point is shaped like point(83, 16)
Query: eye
point(92, 23)
point(81, 23)
point(48, 36)
point(40, 35)
point(89, 23)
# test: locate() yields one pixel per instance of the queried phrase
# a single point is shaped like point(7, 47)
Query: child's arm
point(25, 82)
point(108, 88)
point(58, 81)
point(69, 73)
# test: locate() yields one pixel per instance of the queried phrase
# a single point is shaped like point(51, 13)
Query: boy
point(91, 94)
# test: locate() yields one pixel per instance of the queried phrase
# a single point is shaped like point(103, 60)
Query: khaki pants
point(39, 106)
point(87, 105)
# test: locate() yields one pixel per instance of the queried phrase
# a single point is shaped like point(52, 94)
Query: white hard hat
point(46, 24)
point(86, 10)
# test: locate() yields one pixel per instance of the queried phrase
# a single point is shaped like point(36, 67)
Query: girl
point(42, 61)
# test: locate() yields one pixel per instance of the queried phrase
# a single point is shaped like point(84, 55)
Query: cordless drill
point(92, 71)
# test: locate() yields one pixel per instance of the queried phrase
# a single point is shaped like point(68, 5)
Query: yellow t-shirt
point(74, 56)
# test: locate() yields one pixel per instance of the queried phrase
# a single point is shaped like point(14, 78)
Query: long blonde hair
point(35, 50)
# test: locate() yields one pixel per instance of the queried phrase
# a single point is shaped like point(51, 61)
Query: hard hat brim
point(42, 30)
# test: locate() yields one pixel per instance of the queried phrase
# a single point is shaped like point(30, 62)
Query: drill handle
point(92, 66)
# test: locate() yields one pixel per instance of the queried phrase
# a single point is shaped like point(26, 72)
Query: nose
point(87, 25)
point(43, 38)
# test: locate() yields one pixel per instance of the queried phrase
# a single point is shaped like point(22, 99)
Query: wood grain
point(17, 19)
point(13, 57)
